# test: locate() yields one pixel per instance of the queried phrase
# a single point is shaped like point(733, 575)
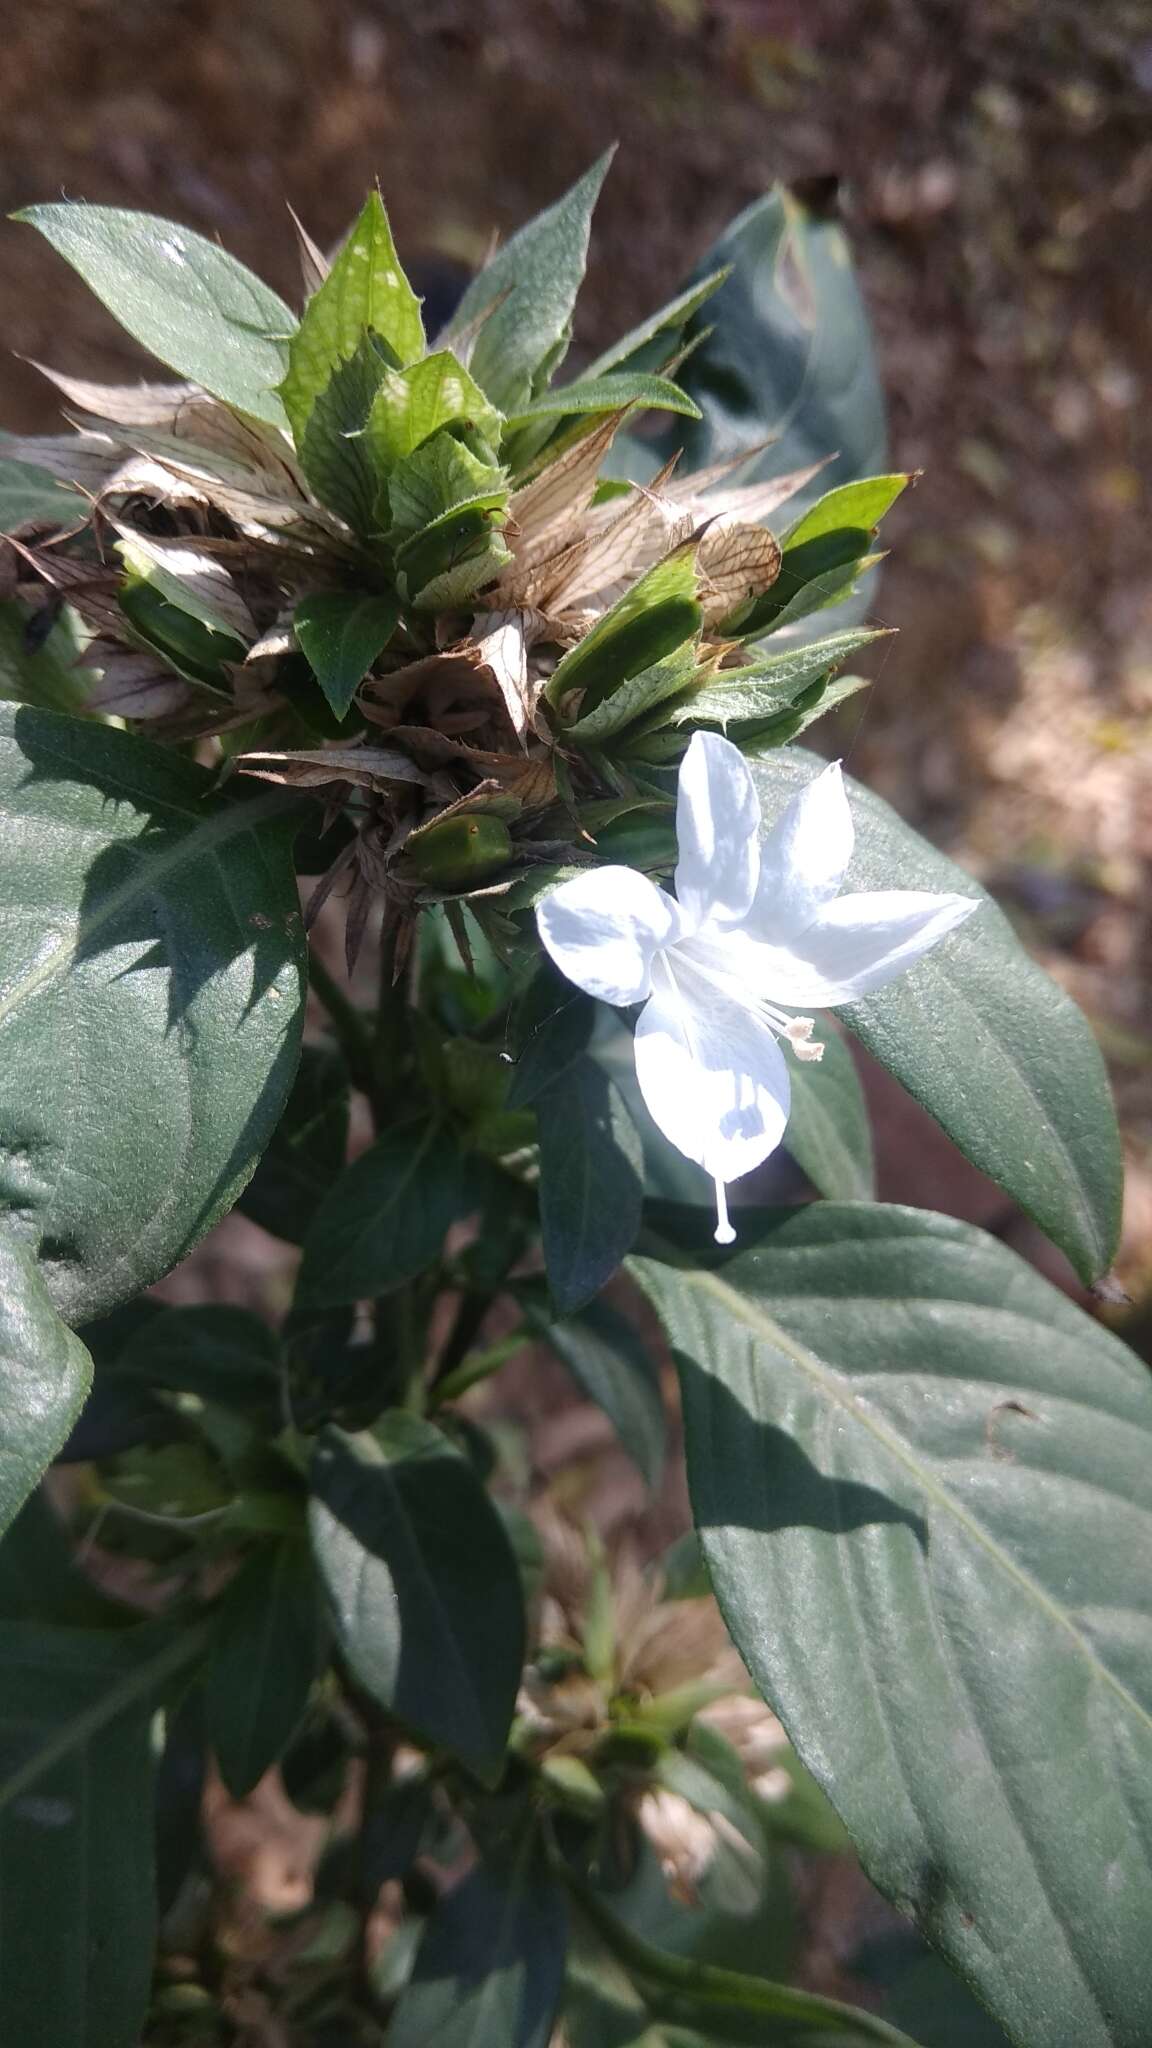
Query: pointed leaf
point(923, 1484)
point(266, 1655)
point(45, 1374)
point(836, 534)
point(989, 1044)
point(614, 1367)
point(335, 453)
point(591, 1186)
point(655, 617)
point(605, 394)
point(767, 685)
point(342, 633)
point(664, 323)
point(423, 1584)
point(415, 403)
point(528, 291)
point(365, 292)
point(387, 1216)
point(193, 306)
point(152, 1000)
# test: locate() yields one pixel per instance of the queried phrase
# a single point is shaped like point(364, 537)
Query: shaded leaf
point(423, 1584)
point(193, 306)
point(307, 1149)
point(655, 617)
point(31, 496)
point(45, 1374)
point(267, 1652)
point(591, 1185)
point(152, 1000)
point(614, 1367)
point(989, 1044)
point(49, 676)
point(828, 1131)
point(386, 1217)
point(922, 1483)
point(342, 633)
point(621, 354)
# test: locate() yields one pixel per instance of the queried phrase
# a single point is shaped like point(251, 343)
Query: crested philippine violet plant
point(413, 674)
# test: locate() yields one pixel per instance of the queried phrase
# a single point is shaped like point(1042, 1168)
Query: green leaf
point(48, 677)
point(266, 1656)
point(666, 322)
point(307, 1150)
point(386, 1218)
point(212, 1350)
point(614, 1367)
point(152, 1000)
point(193, 306)
point(554, 1028)
point(789, 353)
point(525, 296)
point(637, 696)
point(423, 1584)
point(607, 394)
point(836, 534)
point(986, 1041)
point(436, 478)
point(769, 684)
point(413, 404)
point(591, 1186)
point(31, 496)
point(490, 1966)
point(922, 1481)
point(443, 565)
point(335, 453)
point(45, 1374)
point(342, 633)
point(365, 292)
point(194, 582)
point(828, 1131)
point(655, 617)
point(818, 594)
point(77, 1915)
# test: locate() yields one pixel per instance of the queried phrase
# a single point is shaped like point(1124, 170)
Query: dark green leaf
point(660, 327)
point(828, 1131)
point(307, 1150)
point(365, 291)
point(768, 684)
point(591, 1186)
point(613, 1366)
point(40, 1579)
point(214, 1351)
point(45, 1374)
point(150, 1020)
point(335, 453)
point(423, 1584)
point(835, 535)
point(923, 1483)
point(76, 1889)
point(606, 394)
point(988, 1043)
point(655, 617)
point(192, 305)
point(341, 634)
point(789, 355)
point(490, 1967)
point(525, 296)
point(266, 1656)
point(387, 1216)
point(49, 676)
point(554, 1028)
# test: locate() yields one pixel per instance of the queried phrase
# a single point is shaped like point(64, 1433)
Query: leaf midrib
point(754, 1319)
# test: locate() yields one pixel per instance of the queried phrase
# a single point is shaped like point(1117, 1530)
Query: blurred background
point(993, 161)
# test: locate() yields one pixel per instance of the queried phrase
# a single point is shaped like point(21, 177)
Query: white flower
point(758, 928)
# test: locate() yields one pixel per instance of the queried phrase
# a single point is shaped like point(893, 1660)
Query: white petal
point(603, 929)
point(854, 945)
point(803, 859)
point(711, 1073)
point(717, 831)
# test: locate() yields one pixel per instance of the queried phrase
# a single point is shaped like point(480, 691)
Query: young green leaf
point(654, 618)
point(267, 1652)
point(45, 1374)
point(921, 1478)
point(986, 1041)
point(435, 479)
point(632, 350)
point(423, 1584)
point(193, 306)
point(607, 394)
point(342, 632)
point(835, 535)
point(335, 453)
point(415, 403)
point(526, 294)
point(768, 684)
point(387, 1216)
point(591, 1186)
point(152, 1002)
point(365, 292)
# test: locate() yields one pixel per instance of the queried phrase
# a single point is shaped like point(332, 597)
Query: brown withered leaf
point(530, 779)
point(314, 265)
point(735, 563)
point(742, 501)
point(86, 460)
point(372, 768)
point(89, 588)
point(545, 514)
point(618, 550)
point(502, 639)
point(133, 685)
point(207, 585)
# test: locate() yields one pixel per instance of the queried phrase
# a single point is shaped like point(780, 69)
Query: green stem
point(349, 1023)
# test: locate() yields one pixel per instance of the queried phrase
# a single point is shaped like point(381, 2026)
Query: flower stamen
point(799, 1035)
point(723, 1233)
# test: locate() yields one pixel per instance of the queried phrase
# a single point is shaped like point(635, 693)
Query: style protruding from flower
point(757, 931)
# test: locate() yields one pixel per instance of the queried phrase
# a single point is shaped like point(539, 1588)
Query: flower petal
point(718, 833)
point(803, 859)
point(712, 1075)
point(603, 928)
point(855, 945)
